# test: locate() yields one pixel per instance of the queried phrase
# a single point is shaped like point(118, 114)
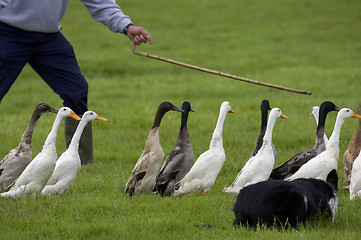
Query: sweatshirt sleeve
point(108, 13)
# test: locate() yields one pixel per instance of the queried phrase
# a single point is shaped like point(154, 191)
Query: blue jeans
point(51, 56)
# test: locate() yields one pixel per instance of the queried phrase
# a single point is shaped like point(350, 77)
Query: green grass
point(309, 45)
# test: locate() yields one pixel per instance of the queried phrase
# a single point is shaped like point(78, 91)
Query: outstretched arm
point(110, 14)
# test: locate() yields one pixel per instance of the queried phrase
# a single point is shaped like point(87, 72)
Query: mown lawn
point(308, 45)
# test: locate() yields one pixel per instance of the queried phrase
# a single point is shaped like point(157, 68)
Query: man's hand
point(139, 35)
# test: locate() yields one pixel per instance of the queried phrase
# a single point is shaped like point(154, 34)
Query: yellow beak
point(101, 118)
point(356, 115)
point(73, 115)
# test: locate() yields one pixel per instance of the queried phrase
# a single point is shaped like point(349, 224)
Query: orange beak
point(73, 115)
point(101, 118)
point(231, 111)
point(356, 115)
point(283, 116)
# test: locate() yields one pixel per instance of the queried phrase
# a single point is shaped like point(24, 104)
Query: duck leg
point(86, 140)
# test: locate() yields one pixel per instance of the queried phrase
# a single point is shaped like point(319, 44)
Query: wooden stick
point(136, 52)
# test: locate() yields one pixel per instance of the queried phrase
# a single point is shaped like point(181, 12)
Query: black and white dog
point(277, 202)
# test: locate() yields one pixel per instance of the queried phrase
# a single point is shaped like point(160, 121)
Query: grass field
point(308, 45)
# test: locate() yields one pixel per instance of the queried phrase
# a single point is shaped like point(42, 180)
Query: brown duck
point(352, 150)
point(18, 158)
point(143, 176)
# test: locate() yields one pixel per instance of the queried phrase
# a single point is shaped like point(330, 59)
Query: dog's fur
point(279, 203)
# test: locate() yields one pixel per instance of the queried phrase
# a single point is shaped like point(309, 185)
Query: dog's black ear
point(332, 179)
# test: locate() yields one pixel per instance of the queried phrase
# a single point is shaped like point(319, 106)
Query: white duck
point(259, 167)
point(265, 106)
point(319, 166)
point(203, 174)
point(355, 179)
point(68, 164)
point(142, 179)
point(38, 172)
point(14, 163)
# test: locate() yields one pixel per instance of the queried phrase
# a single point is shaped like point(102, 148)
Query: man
point(30, 33)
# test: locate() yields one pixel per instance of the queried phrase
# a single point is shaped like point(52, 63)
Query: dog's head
point(332, 179)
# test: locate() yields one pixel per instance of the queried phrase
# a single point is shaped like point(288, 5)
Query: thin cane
point(144, 54)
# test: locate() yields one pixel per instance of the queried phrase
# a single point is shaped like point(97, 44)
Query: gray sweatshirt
point(44, 15)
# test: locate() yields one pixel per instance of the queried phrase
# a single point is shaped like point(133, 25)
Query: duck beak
point(177, 109)
point(283, 116)
point(192, 109)
point(101, 118)
point(355, 115)
point(232, 111)
point(337, 108)
point(53, 110)
point(73, 115)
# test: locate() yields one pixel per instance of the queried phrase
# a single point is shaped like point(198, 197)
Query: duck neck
point(183, 131)
point(184, 119)
point(51, 139)
point(320, 131)
point(27, 135)
point(334, 140)
point(264, 119)
point(217, 133)
point(183, 136)
point(77, 134)
point(263, 128)
point(158, 117)
point(268, 134)
point(153, 136)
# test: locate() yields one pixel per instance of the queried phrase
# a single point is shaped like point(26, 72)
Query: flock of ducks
point(46, 174)
point(178, 176)
point(292, 166)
